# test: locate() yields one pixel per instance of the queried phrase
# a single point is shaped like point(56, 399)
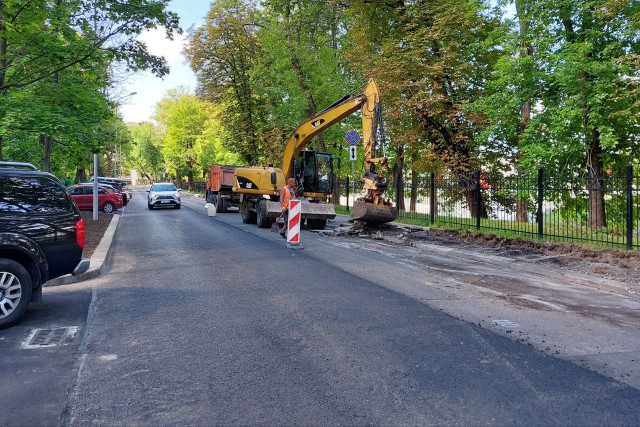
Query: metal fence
point(572, 209)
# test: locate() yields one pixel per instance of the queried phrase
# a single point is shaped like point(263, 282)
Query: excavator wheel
point(248, 217)
point(262, 218)
point(373, 214)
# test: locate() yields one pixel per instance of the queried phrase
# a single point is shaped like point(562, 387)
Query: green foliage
point(144, 153)
point(192, 135)
point(222, 53)
point(54, 58)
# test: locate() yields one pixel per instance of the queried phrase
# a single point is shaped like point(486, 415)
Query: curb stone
point(99, 259)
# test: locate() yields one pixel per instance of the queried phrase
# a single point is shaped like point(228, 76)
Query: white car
point(163, 194)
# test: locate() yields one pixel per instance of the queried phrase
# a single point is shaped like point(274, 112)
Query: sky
point(150, 89)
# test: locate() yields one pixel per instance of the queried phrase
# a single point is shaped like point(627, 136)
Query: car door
point(81, 196)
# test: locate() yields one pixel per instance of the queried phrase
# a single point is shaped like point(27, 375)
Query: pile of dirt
point(407, 235)
point(94, 230)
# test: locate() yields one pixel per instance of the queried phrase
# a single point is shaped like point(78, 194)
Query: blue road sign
point(352, 137)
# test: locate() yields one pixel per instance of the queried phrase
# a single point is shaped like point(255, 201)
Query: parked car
point(108, 200)
point(41, 236)
point(163, 194)
point(115, 189)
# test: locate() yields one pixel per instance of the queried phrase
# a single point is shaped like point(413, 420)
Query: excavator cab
point(315, 171)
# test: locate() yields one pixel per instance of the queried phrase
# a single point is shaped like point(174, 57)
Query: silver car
point(163, 194)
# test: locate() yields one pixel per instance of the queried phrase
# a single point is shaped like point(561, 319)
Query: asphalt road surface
point(202, 320)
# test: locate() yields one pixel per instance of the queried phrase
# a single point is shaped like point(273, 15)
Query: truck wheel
point(221, 204)
point(316, 224)
point(248, 217)
point(209, 198)
point(15, 291)
point(262, 219)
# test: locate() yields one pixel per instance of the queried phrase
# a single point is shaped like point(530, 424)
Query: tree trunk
point(398, 178)
point(597, 215)
point(81, 175)
point(526, 49)
point(47, 145)
point(414, 191)
point(336, 189)
point(522, 210)
point(473, 203)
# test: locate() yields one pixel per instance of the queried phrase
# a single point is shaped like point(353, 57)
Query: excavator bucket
point(309, 210)
point(372, 213)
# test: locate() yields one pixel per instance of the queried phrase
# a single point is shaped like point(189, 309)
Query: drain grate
point(50, 337)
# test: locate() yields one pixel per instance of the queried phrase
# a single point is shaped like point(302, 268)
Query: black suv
point(41, 236)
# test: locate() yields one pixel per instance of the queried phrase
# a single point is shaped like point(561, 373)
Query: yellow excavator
point(255, 190)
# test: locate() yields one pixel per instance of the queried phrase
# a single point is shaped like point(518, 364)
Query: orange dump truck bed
point(220, 177)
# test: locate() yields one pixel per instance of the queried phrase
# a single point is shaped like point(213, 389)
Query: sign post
point(353, 138)
point(293, 225)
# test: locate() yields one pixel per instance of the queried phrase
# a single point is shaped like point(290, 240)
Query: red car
point(108, 200)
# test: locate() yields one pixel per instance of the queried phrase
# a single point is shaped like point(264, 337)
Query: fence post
point(398, 184)
point(478, 198)
point(539, 217)
point(629, 207)
point(432, 198)
point(347, 186)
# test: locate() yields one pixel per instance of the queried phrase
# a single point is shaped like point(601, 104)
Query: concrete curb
point(99, 259)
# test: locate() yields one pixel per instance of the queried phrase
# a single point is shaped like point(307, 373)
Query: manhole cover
point(50, 337)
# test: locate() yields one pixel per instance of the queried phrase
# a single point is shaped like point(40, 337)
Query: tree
point(191, 134)
point(301, 69)
point(41, 39)
point(432, 60)
point(579, 84)
point(222, 53)
point(144, 154)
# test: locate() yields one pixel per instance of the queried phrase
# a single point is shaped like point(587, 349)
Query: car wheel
point(262, 219)
point(149, 206)
point(15, 291)
point(108, 207)
point(178, 206)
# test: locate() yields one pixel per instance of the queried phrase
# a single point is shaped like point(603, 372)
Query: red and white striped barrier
point(293, 226)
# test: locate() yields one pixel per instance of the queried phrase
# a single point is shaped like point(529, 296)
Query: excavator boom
point(373, 207)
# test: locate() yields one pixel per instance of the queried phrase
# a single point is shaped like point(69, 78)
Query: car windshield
point(163, 187)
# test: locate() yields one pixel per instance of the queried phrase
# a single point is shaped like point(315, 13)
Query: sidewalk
point(99, 259)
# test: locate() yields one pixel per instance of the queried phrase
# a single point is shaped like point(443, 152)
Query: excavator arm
point(372, 208)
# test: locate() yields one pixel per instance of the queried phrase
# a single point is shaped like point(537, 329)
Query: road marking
point(506, 323)
point(50, 337)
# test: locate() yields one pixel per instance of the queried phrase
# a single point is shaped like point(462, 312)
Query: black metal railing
point(603, 210)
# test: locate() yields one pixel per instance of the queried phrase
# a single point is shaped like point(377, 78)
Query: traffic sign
point(352, 137)
point(352, 153)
